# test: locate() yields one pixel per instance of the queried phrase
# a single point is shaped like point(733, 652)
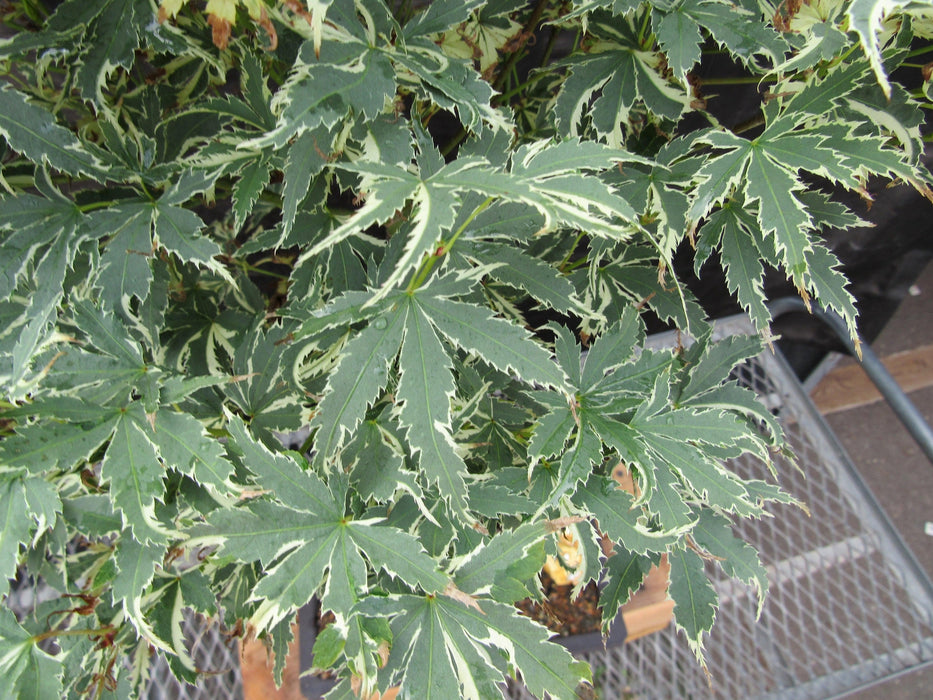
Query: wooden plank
point(649, 609)
point(256, 669)
point(849, 387)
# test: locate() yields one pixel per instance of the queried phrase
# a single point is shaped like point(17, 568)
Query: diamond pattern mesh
point(215, 656)
point(842, 610)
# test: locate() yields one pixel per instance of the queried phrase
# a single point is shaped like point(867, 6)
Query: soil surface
point(562, 615)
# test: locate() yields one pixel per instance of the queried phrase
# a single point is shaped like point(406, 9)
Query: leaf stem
point(549, 48)
point(920, 51)
point(749, 124)
point(744, 80)
point(146, 191)
point(247, 267)
point(523, 37)
point(503, 96)
point(570, 252)
point(72, 633)
point(839, 59)
point(444, 248)
point(91, 206)
point(644, 28)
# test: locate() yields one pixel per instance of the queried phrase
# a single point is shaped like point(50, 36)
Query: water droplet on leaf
point(380, 323)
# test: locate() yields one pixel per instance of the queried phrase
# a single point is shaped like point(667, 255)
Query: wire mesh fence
point(215, 656)
point(847, 605)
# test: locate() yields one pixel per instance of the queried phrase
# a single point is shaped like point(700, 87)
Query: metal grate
point(216, 657)
point(847, 604)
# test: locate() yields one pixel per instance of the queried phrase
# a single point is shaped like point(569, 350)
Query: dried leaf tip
point(451, 591)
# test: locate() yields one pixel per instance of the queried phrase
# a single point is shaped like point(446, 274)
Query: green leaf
point(398, 554)
point(451, 83)
point(604, 86)
point(667, 498)
point(716, 363)
point(498, 342)
point(328, 645)
point(671, 303)
point(576, 464)
point(43, 305)
point(618, 517)
point(433, 213)
point(719, 175)
point(420, 639)
point(254, 178)
point(440, 16)
point(426, 387)
point(108, 334)
point(735, 557)
point(101, 377)
point(613, 348)
point(739, 29)
point(306, 159)
point(265, 389)
point(49, 446)
point(624, 574)
point(377, 462)
point(132, 468)
point(266, 532)
point(179, 230)
point(545, 667)
point(433, 210)
point(695, 600)
point(544, 159)
point(476, 571)
point(551, 433)
point(823, 41)
point(185, 446)
point(667, 435)
point(865, 18)
point(42, 501)
point(304, 545)
point(30, 223)
point(112, 45)
point(296, 487)
point(542, 282)
point(731, 227)
point(25, 670)
point(356, 382)
point(780, 213)
point(33, 132)
point(320, 93)
point(442, 649)
point(829, 285)
point(125, 269)
point(136, 564)
point(15, 527)
point(183, 594)
point(679, 36)
point(383, 199)
point(732, 397)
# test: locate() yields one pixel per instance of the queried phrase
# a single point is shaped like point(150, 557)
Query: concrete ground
point(892, 464)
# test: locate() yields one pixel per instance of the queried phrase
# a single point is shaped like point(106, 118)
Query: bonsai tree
point(429, 234)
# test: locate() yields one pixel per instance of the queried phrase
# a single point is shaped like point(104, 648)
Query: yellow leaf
point(222, 9)
point(169, 8)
